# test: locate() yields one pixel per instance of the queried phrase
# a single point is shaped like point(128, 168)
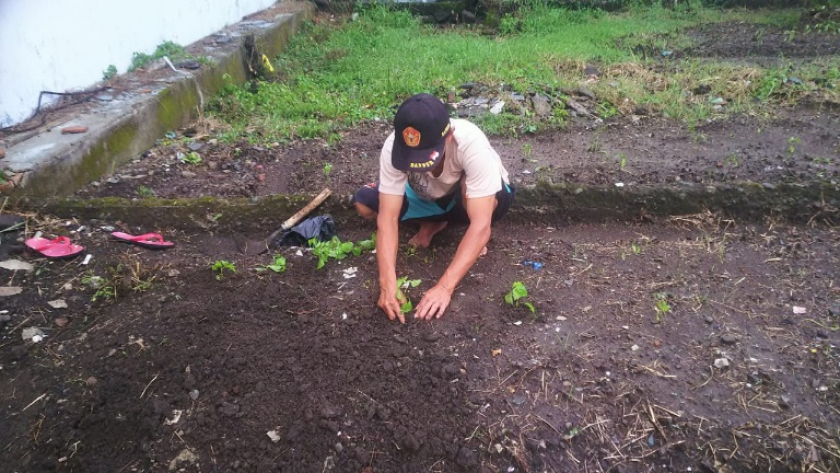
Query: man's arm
point(387, 241)
point(436, 300)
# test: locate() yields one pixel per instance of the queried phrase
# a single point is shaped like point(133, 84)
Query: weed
point(192, 158)
point(792, 142)
point(278, 265)
point(146, 192)
point(527, 149)
point(403, 284)
point(622, 161)
point(327, 170)
point(661, 306)
point(109, 73)
point(167, 48)
point(220, 266)
point(103, 290)
point(517, 293)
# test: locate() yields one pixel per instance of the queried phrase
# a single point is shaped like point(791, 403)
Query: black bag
point(321, 227)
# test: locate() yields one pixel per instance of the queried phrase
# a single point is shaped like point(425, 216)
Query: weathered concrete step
point(47, 162)
point(743, 201)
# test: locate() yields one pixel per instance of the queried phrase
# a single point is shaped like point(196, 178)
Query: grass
point(329, 82)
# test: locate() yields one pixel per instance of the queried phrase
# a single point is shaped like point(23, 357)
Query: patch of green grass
point(174, 51)
point(328, 81)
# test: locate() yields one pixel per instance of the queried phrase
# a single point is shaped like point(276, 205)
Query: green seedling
point(622, 162)
point(661, 306)
point(220, 266)
point(192, 158)
point(146, 192)
point(792, 142)
point(517, 293)
point(527, 149)
point(327, 170)
point(278, 265)
point(404, 283)
point(103, 290)
point(338, 250)
point(109, 73)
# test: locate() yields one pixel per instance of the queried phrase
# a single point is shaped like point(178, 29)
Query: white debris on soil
point(32, 333)
point(799, 310)
point(16, 265)
point(721, 363)
point(87, 259)
point(176, 416)
point(6, 291)
point(350, 272)
point(58, 304)
point(186, 456)
point(273, 435)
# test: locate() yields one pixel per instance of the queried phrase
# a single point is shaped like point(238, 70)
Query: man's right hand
point(389, 303)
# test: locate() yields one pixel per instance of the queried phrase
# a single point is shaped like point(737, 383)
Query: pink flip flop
point(60, 247)
point(152, 241)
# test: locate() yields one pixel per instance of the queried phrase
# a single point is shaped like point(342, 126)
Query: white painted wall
point(62, 45)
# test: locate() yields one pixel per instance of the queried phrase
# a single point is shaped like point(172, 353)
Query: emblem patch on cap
point(411, 137)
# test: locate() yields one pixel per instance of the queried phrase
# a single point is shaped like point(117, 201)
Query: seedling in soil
point(278, 265)
point(327, 170)
point(517, 293)
point(792, 142)
point(146, 192)
point(622, 161)
point(336, 249)
point(192, 158)
point(661, 306)
point(220, 266)
point(404, 283)
point(103, 290)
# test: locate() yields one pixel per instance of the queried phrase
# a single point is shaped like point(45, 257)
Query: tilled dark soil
point(689, 343)
point(738, 373)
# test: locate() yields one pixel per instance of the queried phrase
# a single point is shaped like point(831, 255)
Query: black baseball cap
point(421, 125)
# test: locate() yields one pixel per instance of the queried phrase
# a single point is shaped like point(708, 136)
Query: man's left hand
point(434, 303)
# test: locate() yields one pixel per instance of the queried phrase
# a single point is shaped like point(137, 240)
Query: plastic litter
point(534, 264)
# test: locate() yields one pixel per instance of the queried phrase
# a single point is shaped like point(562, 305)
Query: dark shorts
point(449, 208)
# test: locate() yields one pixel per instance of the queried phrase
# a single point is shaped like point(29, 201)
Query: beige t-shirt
point(469, 153)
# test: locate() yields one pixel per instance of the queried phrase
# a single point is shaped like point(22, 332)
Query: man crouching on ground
point(433, 170)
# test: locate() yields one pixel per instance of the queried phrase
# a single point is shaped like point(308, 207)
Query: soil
point(687, 343)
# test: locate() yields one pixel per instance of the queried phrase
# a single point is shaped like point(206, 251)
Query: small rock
point(728, 339)
point(6, 291)
point(709, 319)
point(542, 105)
point(822, 334)
point(834, 310)
point(784, 401)
point(768, 186)
point(72, 130)
point(188, 174)
point(58, 304)
point(339, 447)
point(721, 363)
point(586, 93)
point(91, 381)
point(61, 321)
point(16, 265)
point(195, 146)
point(518, 400)
point(188, 64)
point(497, 107)
point(5, 318)
point(194, 394)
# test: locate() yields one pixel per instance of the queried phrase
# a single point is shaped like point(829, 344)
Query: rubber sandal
point(152, 241)
point(58, 248)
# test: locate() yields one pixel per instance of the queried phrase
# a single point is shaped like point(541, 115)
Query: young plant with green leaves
point(403, 285)
point(660, 306)
point(278, 265)
point(338, 250)
point(221, 268)
point(518, 292)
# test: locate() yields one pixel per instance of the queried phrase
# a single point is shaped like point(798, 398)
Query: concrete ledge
point(126, 120)
point(746, 201)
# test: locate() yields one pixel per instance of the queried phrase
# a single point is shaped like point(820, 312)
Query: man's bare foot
point(427, 231)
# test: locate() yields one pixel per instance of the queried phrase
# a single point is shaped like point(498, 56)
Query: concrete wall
point(67, 45)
